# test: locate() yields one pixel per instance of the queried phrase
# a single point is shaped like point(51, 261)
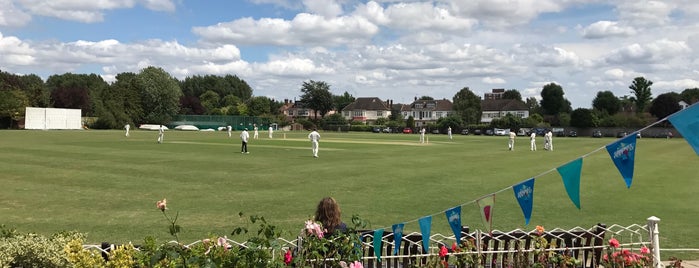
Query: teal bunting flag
point(425, 228)
point(378, 238)
point(687, 123)
point(524, 193)
point(454, 219)
point(623, 154)
point(397, 236)
point(570, 173)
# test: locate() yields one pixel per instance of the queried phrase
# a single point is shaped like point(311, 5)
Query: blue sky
point(391, 49)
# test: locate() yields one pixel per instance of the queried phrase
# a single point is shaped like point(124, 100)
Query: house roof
point(440, 105)
point(367, 103)
point(503, 105)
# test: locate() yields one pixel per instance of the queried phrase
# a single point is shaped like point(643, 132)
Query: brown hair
point(328, 213)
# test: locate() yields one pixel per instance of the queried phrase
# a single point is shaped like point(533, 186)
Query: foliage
point(160, 95)
point(76, 91)
point(410, 122)
point(640, 88)
point(665, 104)
point(381, 121)
point(534, 107)
point(223, 86)
point(335, 119)
point(512, 94)
point(509, 121)
point(210, 100)
point(453, 121)
point(33, 250)
point(315, 250)
point(690, 95)
point(552, 100)
point(583, 118)
point(605, 101)
point(13, 103)
point(340, 101)
point(259, 105)
point(467, 105)
point(316, 95)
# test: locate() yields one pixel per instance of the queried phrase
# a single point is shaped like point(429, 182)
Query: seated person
point(328, 213)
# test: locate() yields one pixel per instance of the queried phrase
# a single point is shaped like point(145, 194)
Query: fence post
point(655, 241)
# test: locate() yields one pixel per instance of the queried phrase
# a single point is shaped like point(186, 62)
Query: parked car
point(376, 130)
point(501, 132)
point(489, 132)
point(407, 130)
point(464, 131)
point(435, 131)
point(477, 132)
point(621, 134)
point(572, 133)
point(387, 130)
point(522, 132)
point(596, 134)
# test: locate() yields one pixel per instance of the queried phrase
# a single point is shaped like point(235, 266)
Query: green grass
point(104, 184)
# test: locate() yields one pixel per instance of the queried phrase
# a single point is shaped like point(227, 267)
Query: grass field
point(104, 184)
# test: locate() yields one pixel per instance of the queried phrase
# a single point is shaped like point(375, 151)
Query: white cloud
point(424, 16)
point(87, 11)
point(15, 52)
point(603, 29)
point(12, 16)
point(501, 14)
point(325, 8)
point(655, 52)
point(493, 80)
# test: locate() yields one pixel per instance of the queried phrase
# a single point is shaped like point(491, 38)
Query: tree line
point(154, 96)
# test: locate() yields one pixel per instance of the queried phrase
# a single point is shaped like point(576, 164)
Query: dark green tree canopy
point(467, 105)
point(317, 96)
point(583, 118)
point(160, 95)
point(606, 102)
point(340, 101)
point(665, 104)
point(552, 100)
point(512, 94)
point(640, 88)
point(690, 95)
point(426, 98)
point(259, 105)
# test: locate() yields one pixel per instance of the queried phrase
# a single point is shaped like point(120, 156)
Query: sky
point(391, 49)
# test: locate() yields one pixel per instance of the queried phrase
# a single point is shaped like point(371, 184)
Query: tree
point(340, 101)
point(606, 102)
point(665, 104)
point(467, 105)
point(512, 94)
point(410, 122)
point(13, 104)
point(259, 105)
point(533, 105)
point(690, 95)
point(426, 98)
point(508, 121)
point(640, 88)
point(453, 121)
point(77, 91)
point(35, 89)
point(552, 100)
point(583, 118)
point(210, 100)
point(317, 96)
point(160, 95)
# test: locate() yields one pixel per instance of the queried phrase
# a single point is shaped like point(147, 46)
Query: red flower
point(287, 257)
point(443, 251)
point(614, 243)
point(645, 250)
point(455, 247)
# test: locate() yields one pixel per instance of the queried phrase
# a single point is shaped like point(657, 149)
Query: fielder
point(244, 138)
point(314, 136)
point(422, 135)
point(127, 127)
point(255, 135)
point(550, 134)
point(271, 130)
point(449, 132)
point(161, 133)
point(229, 129)
point(511, 143)
point(532, 141)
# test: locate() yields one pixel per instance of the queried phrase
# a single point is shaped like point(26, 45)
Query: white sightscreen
point(52, 118)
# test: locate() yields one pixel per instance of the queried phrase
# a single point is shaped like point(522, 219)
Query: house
point(497, 108)
point(683, 104)
point(367, 110)
point(495, 94)
point(297, 109)
point(427, 111)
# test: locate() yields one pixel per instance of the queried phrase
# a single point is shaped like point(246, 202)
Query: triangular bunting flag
point(687, 123)
point(570, 173)
point(397, 236)
point(486, 206)
point(623, 154)
point(524, 193)
point(378, 237)
point(425, 228)
point(454, 219)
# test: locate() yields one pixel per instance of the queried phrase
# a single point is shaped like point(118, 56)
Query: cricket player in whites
point(449, 132)
point(255, 134)
point(127, 127)
point(422, 135)
point(161, 133)
point(271, 130)
point(314, 136)
point(511, 143)
point(229, 129)
point(532, 141)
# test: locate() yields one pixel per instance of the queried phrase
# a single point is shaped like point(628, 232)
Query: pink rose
point(287, 257)
point(645, 250)
point(161, 204)
point(356, 264)
point(614, 243)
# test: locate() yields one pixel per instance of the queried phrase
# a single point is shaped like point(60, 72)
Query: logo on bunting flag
point(378, 237)
point(687, 123)
point(570, 173)
point(397, 236)
point(623, 154)
point(486, 206)
point(425, 228)
point(454, 219)
point(524, 193)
